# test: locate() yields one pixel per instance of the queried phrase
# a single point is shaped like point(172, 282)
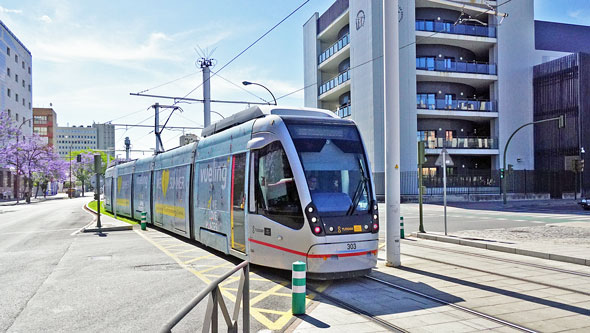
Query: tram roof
point(260, 111)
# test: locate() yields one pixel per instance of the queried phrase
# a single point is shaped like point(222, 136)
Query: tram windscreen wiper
point(359, 190)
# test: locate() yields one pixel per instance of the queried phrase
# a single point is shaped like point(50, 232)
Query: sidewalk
point(39, 198)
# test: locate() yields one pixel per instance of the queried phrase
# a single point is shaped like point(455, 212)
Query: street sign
point(444, 155)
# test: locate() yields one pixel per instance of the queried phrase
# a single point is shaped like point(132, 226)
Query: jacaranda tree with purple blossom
point(23, 155)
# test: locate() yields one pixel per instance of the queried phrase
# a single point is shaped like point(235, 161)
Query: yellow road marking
point(197, 258)
point(257, 313)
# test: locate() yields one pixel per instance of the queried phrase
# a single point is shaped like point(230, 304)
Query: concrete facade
point(465, 84)
point(98, 136)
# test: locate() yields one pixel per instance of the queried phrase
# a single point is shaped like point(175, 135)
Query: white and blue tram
point(270, 184)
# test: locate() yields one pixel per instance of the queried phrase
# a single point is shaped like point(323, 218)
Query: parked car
point(585, 203)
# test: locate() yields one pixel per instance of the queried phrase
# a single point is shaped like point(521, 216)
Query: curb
point(501, 248)
point(103, 229)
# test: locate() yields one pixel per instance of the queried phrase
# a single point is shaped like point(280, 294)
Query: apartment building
point(15, 93)
point(465, 79)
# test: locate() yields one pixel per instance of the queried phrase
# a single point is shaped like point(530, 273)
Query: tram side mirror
point(259, 142)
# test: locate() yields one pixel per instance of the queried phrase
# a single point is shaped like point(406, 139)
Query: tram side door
point(238, 201)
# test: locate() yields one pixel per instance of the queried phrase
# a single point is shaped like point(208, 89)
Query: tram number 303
point(351, 246)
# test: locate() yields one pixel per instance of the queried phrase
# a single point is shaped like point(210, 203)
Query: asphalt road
point(490, 215)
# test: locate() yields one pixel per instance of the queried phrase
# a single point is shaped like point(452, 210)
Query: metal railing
point(334, 48)
point(446, 65)
point(216, 300)
point(334, 82)
point(457, 29)
point(343, 111)
point(457, 104)
point(462, 143)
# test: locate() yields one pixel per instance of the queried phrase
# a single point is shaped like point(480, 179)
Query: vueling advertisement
point(172, 195)
point(213, 192)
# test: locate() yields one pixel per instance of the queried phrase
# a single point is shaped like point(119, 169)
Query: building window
point(8, 71)
point(8, 50)
point(29, 88)
point(40, 120)
point(1, 178)
point(16, 97)
point(448, 62)
point(16, 77)
point(17, 117)
point(449, 135)
point(40, 130)
point(29, 69)
point(8, 92)
point(23, 65)
point(16, 58)
point(425, 101)
point(23, 83)
point(23, 102)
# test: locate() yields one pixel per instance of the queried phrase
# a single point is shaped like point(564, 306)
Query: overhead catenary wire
point(169, 82)
point(248, 47)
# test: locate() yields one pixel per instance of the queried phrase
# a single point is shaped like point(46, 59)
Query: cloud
point(45, 19)
point(10, 11)
point(574, 13)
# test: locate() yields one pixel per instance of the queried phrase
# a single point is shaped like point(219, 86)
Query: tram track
point(336, 301)
point(447, 303)
point(394, 328)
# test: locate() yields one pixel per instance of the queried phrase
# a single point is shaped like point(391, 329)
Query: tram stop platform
point(472, 287)
point(107, 224)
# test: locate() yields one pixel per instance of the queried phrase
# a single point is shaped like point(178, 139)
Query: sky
point(89, 55)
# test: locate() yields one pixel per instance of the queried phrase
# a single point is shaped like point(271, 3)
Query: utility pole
point(205, 63)
point(392, 129)
point(127, 147)
point(157, 126)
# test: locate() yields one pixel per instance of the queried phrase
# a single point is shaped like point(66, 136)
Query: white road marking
point(35, 232)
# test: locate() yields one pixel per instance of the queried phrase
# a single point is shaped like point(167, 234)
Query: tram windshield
point(335, 167)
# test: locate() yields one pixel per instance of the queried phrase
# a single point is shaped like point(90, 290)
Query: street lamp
point(247, 83)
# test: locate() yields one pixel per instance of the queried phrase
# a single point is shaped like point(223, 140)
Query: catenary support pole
point(392, 130)
point(157, 125)
point(127, 148)
point(444, 152)
point(206, 95)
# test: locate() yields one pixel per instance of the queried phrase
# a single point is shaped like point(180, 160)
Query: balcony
point(456, 105)
point(334, 48)
point(448, 65)
point(343, 111)
point(457, 29)
point(462, 143)
point(334, 82)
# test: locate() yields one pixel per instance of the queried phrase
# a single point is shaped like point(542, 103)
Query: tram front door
point(238, 198)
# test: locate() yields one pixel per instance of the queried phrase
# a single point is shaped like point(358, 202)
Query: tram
point(270, 184)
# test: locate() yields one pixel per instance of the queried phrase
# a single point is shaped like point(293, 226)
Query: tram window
point(275, 191)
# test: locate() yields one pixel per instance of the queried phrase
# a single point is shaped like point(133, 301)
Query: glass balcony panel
point(459, 29)
point(334, 48)
point(461, 67)
point(334, 82)
point(471, 67)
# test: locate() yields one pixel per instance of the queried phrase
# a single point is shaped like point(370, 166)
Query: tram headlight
point(375, 216)
point(310, 209)
point(314, 219)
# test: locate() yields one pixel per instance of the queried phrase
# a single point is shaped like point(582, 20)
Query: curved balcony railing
point(462, 143)
point(458, 105)
point(334, 48)
point(457, 29)
point(447, 65)
point(334, 82)
point(343, 111)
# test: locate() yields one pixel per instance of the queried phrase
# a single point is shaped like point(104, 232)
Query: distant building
point(97, 136)
point(185, 139)
point(15, 93)
point(45, 124)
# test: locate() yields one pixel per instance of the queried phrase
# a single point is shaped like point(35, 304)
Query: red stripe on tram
point(352, 254)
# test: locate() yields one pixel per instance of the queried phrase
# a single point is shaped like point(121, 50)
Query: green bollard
point(401, 227)
point(143, 220)
point(298, 288)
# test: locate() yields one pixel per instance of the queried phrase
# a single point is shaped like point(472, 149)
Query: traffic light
point(581, 165)
point(502, 173)
point(421, 153)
